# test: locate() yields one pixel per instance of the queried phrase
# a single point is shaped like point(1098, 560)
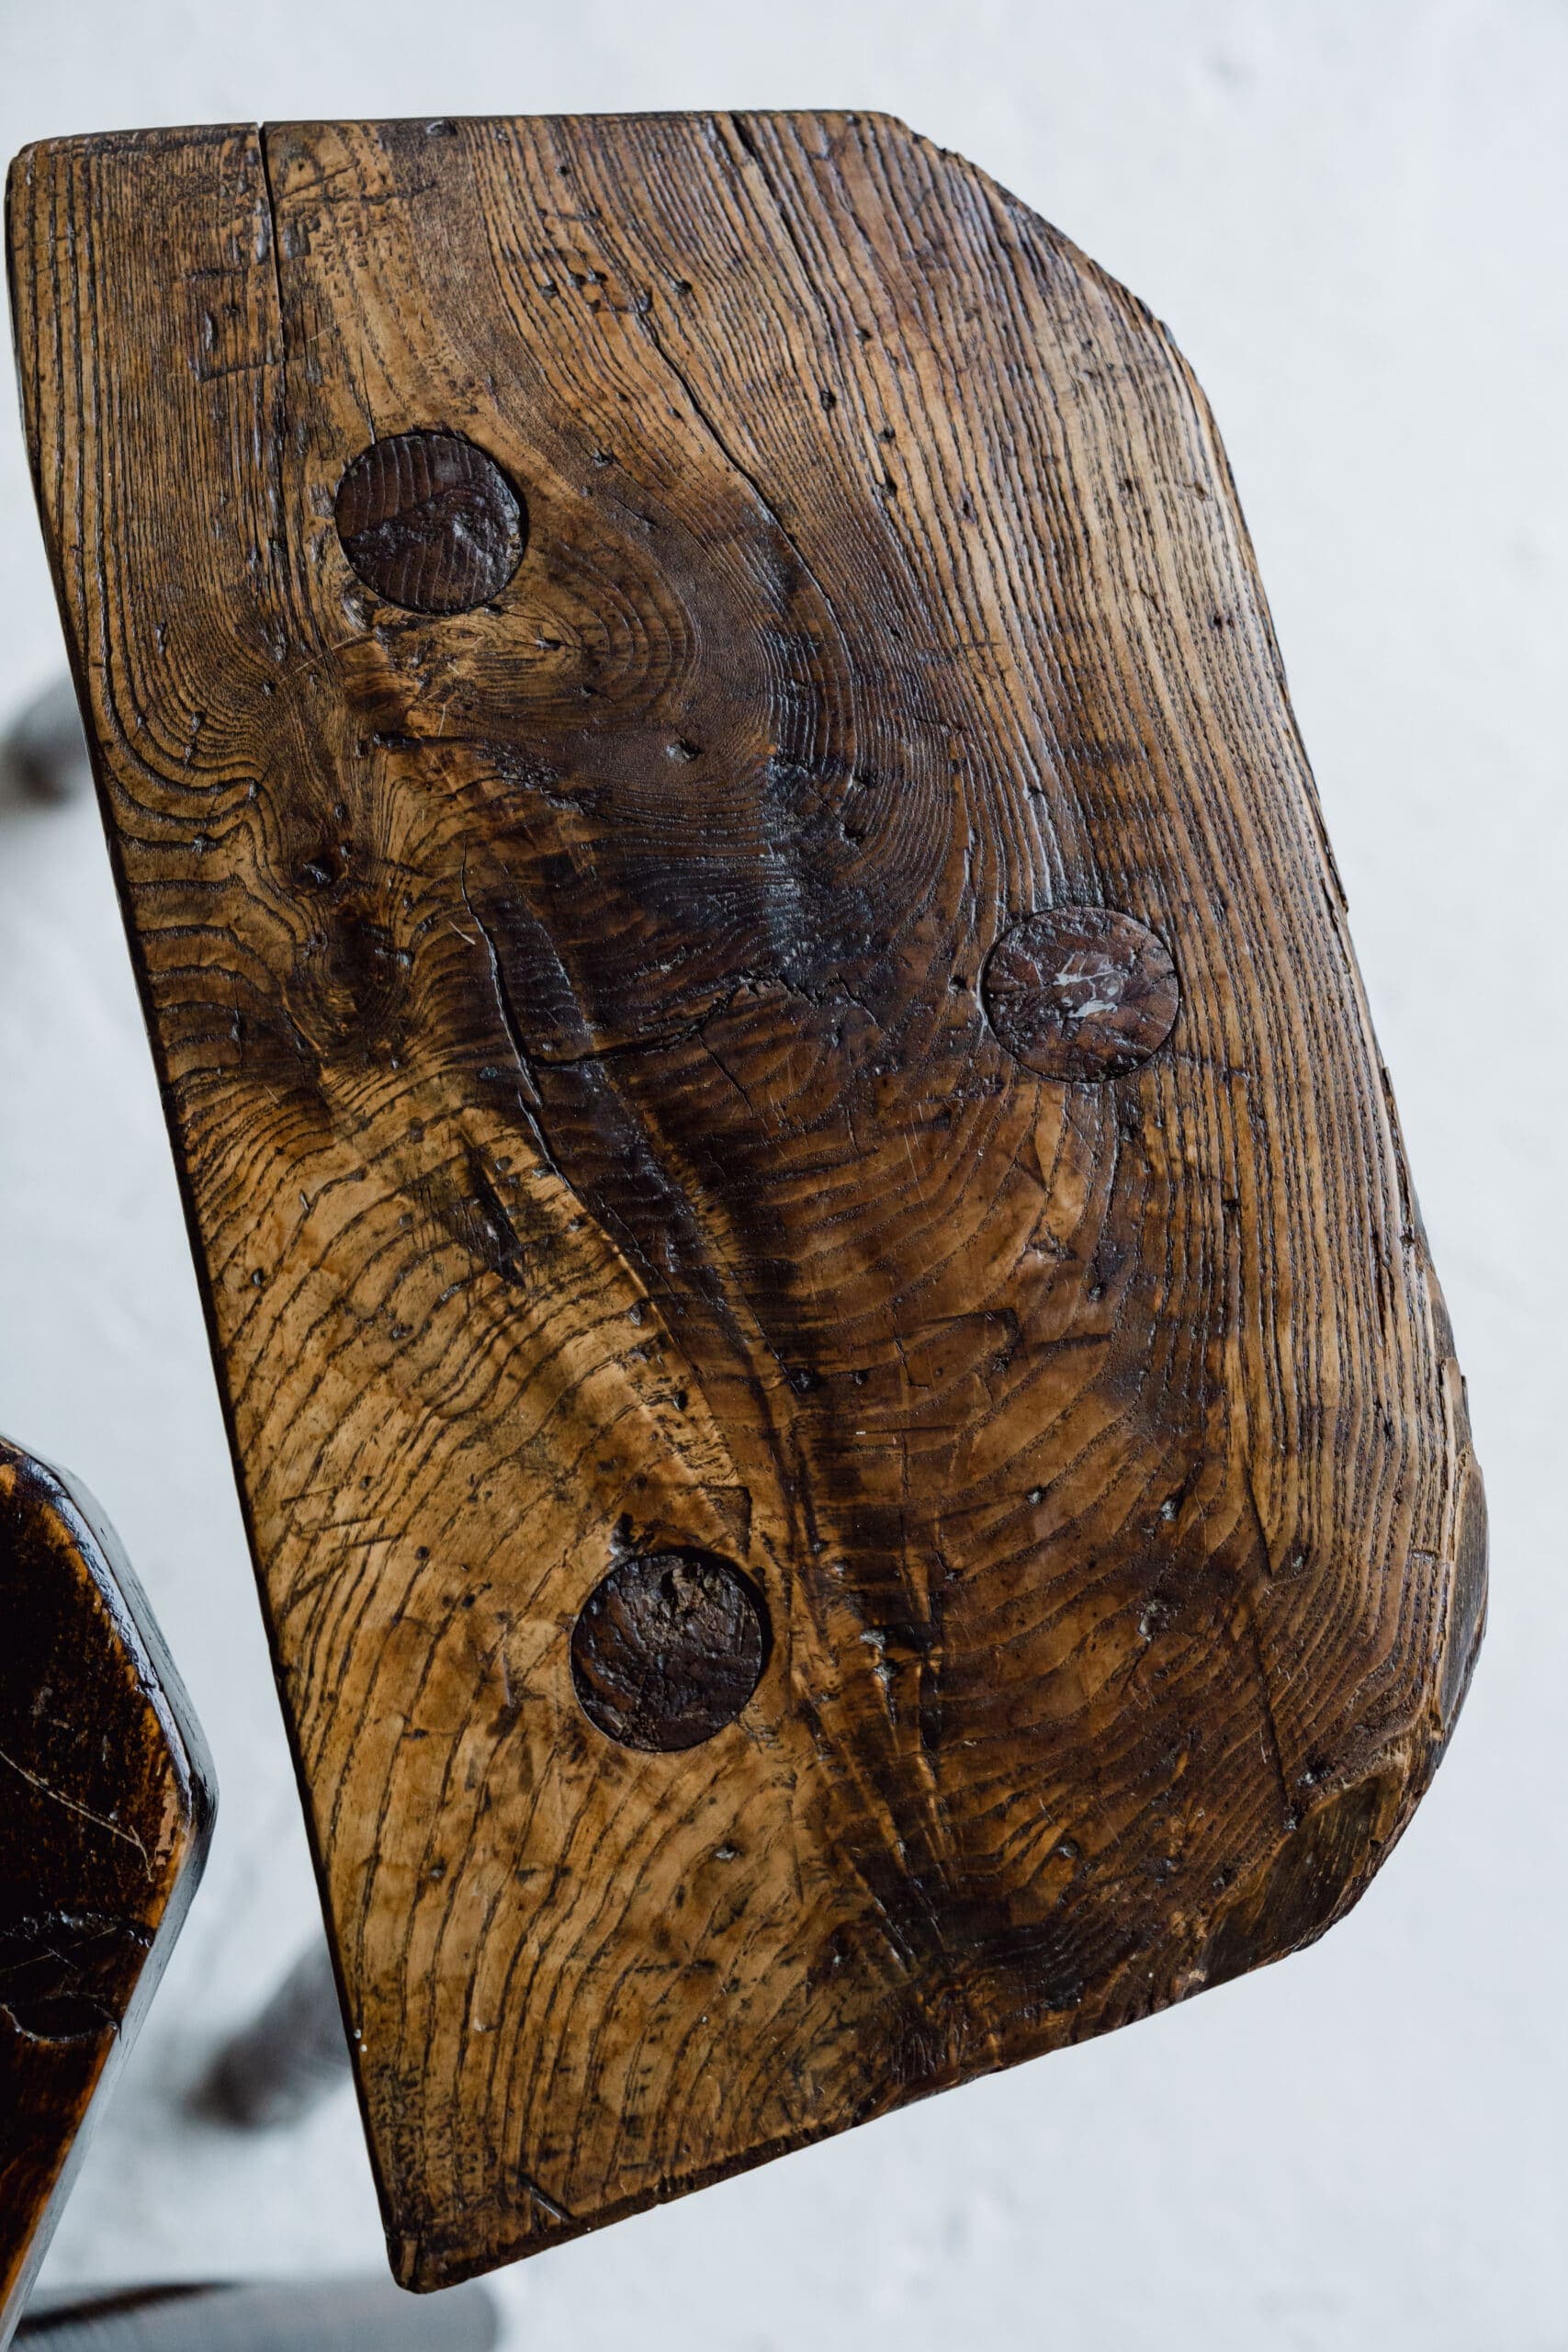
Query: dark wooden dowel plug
point(430, 523)
point(1081, 992)
point(668, 1649)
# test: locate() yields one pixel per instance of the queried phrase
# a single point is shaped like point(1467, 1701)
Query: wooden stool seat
point(853, 1453)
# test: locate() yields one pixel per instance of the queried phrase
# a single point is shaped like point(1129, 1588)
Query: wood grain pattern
point(106, 1807)
point(569, 1013)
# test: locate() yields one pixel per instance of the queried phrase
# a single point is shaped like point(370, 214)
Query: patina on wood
point(106, 1805)
point(565, 858)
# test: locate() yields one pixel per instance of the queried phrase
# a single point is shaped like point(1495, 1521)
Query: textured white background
point(1354, 213)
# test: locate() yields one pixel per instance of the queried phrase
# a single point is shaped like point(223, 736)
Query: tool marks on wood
point(614, 1132)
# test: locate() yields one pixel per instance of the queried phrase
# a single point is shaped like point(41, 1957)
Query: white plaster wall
point(1355, 215)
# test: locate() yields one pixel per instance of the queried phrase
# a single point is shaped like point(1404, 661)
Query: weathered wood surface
point(106, 1805)
point(612, 1130)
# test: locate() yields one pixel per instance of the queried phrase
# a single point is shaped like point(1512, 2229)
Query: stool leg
point(294, 2054)
point(43, 753)
point(284, 2315)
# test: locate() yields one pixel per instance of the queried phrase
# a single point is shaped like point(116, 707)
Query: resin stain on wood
point(785, 1005)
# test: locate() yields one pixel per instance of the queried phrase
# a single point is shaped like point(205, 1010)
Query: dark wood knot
point(668, 1649)
point(1080, 992)
point(430, 522)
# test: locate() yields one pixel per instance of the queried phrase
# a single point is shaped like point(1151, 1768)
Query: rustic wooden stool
point(853, 1454)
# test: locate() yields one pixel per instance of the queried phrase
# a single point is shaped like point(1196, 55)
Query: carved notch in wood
point(855, 1456)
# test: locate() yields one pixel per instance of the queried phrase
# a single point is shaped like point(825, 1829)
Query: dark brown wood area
point(572, 1018)
point(106, 1805)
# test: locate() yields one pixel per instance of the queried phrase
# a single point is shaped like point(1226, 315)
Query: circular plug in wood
point(1080, 992)
point(667, 1649)
point(430, 522)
